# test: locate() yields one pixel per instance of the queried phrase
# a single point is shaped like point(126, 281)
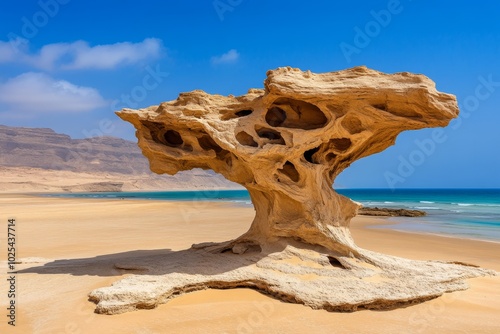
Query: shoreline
point(388, 221)
point(435, 234)
point(381, 223)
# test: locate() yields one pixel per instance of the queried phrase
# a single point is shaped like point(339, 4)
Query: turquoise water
point(470, 213)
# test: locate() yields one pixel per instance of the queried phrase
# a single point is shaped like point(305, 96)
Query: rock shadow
point(148, 262)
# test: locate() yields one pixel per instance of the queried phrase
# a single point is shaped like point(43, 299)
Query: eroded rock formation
point(389, 212)
point(286, 144)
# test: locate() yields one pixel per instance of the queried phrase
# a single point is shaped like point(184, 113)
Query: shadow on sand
point(148, 262)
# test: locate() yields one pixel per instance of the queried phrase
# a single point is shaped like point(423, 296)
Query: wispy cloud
point(39, 93)
point(6, 52)
point(80, 55)
point(229, 57)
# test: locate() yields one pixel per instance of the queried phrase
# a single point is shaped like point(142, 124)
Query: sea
point(464, 213)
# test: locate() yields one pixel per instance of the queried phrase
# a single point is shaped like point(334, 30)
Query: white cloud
point(231, 56)
point(38, 92)
point(80, 55)
point(112, 55)
point(7, 51)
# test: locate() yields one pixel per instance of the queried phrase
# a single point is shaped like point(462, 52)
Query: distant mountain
point(40, 153)
point(43, 148)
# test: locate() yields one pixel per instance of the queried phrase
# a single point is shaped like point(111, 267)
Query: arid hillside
point(41, 160)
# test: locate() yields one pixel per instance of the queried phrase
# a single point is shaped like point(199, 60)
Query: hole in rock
point(338, 111)
point(173, 138)
point(246, 248)
point(223, 154)
point(229, 160)
point(145, 306)
point(308, 155)
point(330, 156)
point(275, 116)
point(352, 124)
point(341, 144)
point(290, 113)
point(381, 106)
point(270, 134)
point(335, 262)
point(245, 139)
point(290, 171)
point(207, 143)
point(254, 249)
point(155, 130)
point(408, 113)
point(243, 113)
point(227, 115)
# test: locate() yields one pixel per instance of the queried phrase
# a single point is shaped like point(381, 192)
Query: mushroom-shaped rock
point(286, 144)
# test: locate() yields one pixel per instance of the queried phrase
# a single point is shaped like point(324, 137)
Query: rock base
point(387, 212)
point(289, 271)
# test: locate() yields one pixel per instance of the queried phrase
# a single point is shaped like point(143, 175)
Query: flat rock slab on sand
point(292, 274)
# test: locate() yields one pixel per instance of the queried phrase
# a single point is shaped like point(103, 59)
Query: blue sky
point(69, 64)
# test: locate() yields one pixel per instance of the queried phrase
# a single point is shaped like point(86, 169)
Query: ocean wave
point(370, 203)
point(478, 204)
point(388, 202)
point(426, 208)
point(427, 202)
point(241, 201)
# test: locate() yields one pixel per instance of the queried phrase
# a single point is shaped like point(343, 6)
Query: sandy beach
point(88, 236)
point(242, 167)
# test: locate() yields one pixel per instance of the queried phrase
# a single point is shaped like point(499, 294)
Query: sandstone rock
point(386, 212)
point(286, 144)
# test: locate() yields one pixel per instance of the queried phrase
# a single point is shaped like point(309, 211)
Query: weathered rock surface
point(38, 159)
point(286, 144)
point(387, 212)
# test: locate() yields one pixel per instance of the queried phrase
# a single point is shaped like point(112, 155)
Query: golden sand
point(55, 301)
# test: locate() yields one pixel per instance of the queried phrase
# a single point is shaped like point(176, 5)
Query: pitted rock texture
point(286, 144)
